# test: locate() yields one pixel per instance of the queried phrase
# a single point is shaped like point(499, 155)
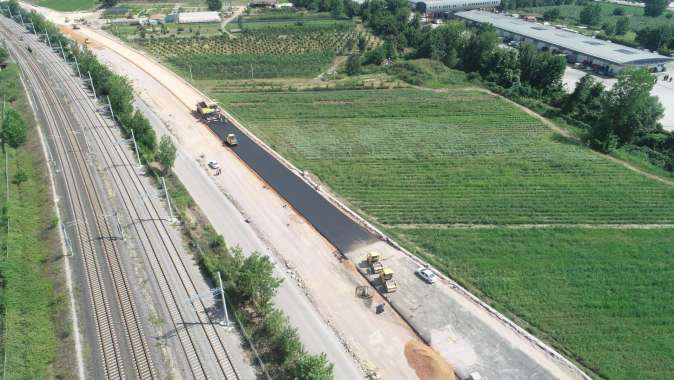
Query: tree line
point(106, 84)
point(626, 116)
point(13, 128)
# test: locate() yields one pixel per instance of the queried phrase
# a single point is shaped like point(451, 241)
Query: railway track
point(93, 234)
point(150, 225)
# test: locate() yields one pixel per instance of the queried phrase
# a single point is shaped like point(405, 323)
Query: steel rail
point(214, 338)
point(170, 299)
point(156, 220)
point(108, 345)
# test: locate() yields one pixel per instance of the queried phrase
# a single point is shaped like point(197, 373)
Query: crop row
point(250, 66)
point(260, 44)
point(411, 156)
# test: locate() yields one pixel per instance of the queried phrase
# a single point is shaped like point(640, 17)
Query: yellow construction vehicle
point(386, 277)
point(390, 286)
point(207, 111)
point(231, 139)
point(374, 261)
point(386, 274)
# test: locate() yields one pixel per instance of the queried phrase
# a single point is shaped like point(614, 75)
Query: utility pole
point(79, 74)
point(63, 52)
point(168, 199)
point(48, 39)
point(92, 84)
point(224, 303)
point(110, 105)
point(135, 146)
point(119, 226)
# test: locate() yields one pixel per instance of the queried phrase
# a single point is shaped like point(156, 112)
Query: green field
point(411, 156)
point(419, 161)
point(68, 5)
point(36, 338)
point(296, 52)
point(604, 296)
point(571, 14)
point(288, 18)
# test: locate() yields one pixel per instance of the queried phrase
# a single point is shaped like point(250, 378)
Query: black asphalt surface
point(340, 230)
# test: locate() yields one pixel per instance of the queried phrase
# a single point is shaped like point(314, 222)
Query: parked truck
point(207, 111)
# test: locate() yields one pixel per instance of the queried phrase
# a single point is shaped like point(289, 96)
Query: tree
point(608, 28)
point(353, 64)
point(110, 3)
point(214, 5)
point(336, 8)
point(13, 131)
point(585, 102)
point(629, 109)
point(166, 154)
point(312, 367)
point(655, 8)
point(541, 70)
point(502, 67)
point(444, 43)
point(145, 135)
point(622, 26)
point(375, 56)
point(255, 281)
point(362, 43)
point(479, 46)
point(551, 14)
point(657, 37)
point(618, 11)
point(591, 14)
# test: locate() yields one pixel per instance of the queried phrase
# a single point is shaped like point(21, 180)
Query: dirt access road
point(459, 328)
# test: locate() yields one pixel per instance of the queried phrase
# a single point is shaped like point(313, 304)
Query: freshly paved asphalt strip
point(344, 233)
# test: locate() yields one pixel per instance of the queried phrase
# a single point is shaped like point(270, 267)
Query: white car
point(427, 275)
point(213, 165)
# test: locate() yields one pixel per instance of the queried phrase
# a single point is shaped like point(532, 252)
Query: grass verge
point(36, 342)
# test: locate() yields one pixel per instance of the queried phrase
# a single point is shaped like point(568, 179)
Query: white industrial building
point(197, 17)
point(604, 56)
point(449, 6)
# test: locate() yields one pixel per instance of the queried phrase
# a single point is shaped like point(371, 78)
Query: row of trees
point(13, 129)
point(250, 286)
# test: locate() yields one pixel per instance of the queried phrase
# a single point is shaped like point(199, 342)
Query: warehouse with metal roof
point(197, 17)
point(605, 56)
point(449, 6)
